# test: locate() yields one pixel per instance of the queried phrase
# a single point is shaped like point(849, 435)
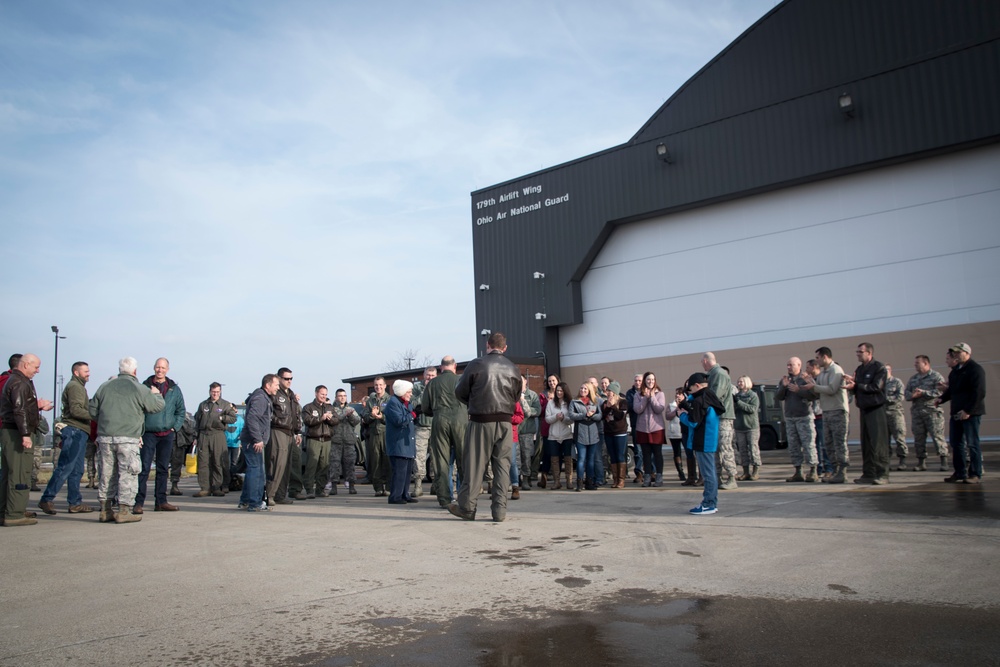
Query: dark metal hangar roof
point(764, 114)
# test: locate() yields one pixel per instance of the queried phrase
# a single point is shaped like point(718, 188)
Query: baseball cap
point(961, 347)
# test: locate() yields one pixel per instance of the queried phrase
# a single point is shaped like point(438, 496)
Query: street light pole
point(55, 376)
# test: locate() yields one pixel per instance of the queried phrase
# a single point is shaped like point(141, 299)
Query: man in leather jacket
point(19, 406)
point(286, 422)
point(868, 387)
point(491, 388)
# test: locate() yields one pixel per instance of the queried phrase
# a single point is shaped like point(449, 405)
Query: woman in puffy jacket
point(560, 434)
point(585, 411)
point(650, 404)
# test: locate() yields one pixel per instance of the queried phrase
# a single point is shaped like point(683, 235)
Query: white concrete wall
point(895, 249)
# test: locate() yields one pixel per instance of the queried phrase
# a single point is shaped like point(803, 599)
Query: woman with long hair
point(560, 434)
point(585, 412)
point(544, 466)
point(650, 404)
point(614, 412)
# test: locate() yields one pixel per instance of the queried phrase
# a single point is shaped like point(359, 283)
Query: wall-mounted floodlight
point(539, 275)
point(484, 288)
point(539, 316)
point(485, 332)
point(846, 104)
point(663, 153)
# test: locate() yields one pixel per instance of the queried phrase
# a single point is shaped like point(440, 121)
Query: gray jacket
point(586, 429)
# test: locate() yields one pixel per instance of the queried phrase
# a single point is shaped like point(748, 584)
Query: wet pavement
point(636, 627)
point(905, 574)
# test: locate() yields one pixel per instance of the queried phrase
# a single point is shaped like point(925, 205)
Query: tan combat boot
point(125, 515)
point(797, 477)
point(811, 476)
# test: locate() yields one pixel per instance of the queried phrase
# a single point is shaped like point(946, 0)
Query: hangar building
point(831, 177)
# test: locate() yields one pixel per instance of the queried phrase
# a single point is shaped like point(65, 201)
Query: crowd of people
point(483, 431)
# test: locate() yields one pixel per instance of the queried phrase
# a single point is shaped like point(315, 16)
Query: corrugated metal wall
point(762, 115)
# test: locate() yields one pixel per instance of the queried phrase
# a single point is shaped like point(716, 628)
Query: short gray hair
point(128, 365)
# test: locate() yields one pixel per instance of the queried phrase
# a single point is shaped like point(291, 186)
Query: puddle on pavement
point(636, 628)
point(942, 500)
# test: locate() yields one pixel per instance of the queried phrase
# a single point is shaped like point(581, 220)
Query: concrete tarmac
point(784, 574)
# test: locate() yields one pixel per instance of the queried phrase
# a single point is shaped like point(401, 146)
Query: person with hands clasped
point(650, 405)
point(560, 434)
point(585, 413)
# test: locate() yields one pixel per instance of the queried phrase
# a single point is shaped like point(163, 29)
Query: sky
point(243, 185)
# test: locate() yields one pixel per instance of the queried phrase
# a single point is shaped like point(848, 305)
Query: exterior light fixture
point(484, 288)
point(539, 316)
point(846, 104)
point(663, 154)
point(539, 275)
point(485, 332)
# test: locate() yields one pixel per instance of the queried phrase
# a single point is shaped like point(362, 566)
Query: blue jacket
point(233, 432)
point(702, 419)
point(400, 433)
point(257, 422)
point(172, 415)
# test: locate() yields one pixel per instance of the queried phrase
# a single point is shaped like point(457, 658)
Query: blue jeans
point(586, 461)
point(964, 436)
point(616, 445)
point(253, 480)
point(706, 463)
point(515, 471)
point(69, 469)
point(162, 446)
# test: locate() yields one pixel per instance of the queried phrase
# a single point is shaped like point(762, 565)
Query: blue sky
point(245, 185)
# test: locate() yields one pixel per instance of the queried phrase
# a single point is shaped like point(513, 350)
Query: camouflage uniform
point(800, 425)
point(343, 457)
point(120, 467)
point(376, 462)
point(37, 442)
point(926, 418)
point(423, 436)
point(894, 414)
point(91, 458)
point(722, 386)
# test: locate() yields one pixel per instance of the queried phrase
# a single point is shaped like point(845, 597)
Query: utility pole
point(55, 378)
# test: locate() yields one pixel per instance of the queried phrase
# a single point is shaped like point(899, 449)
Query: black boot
point(680, 468)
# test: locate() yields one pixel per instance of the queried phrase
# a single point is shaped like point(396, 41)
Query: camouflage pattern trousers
point(928, 421)
point(423, 438)
point(120, 467)
point(802, 440)
point(748, 443)
point(726, 457)
point(897, 429)
point(835, 423)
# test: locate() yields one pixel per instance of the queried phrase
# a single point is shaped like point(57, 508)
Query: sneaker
point(262, 508)
point(242, 506)
point(701, 509)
